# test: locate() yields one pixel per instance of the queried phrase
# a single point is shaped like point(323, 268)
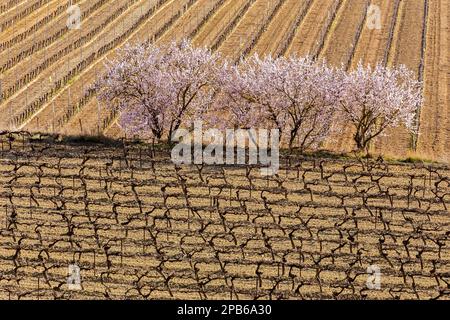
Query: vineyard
point(47, 69)
point(141, 227)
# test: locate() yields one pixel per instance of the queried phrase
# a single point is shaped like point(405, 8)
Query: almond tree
point(295, 95)
point(156, 89)
point(235, 105)
point(375, 99)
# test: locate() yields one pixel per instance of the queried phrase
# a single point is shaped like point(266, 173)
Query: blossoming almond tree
point(157, 88)
point(374, 99)
point(295, 95)
point(235, 104)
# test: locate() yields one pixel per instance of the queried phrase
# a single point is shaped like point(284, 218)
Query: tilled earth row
point(139, 227)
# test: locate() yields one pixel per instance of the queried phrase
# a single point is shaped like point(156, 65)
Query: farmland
point(47, 69)
point(141, 227)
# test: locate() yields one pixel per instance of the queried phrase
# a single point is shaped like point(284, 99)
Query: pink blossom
point(157, 88)
point(374, 99)
point(295, 95)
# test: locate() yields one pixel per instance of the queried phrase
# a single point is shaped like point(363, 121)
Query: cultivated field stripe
point(89, 74)
point(54, 31)
point(91, 124)
point(17, 14)
point(305, 39)
point(7, 7)
point(340, 40)
point(190, 21)
point(246, 33)
point(407, 50)
point(216, 26)
point(277, 33)
point(24, 25)
point(69, 47)
point(434, 137)
point(370, 50)
point(102, 115)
